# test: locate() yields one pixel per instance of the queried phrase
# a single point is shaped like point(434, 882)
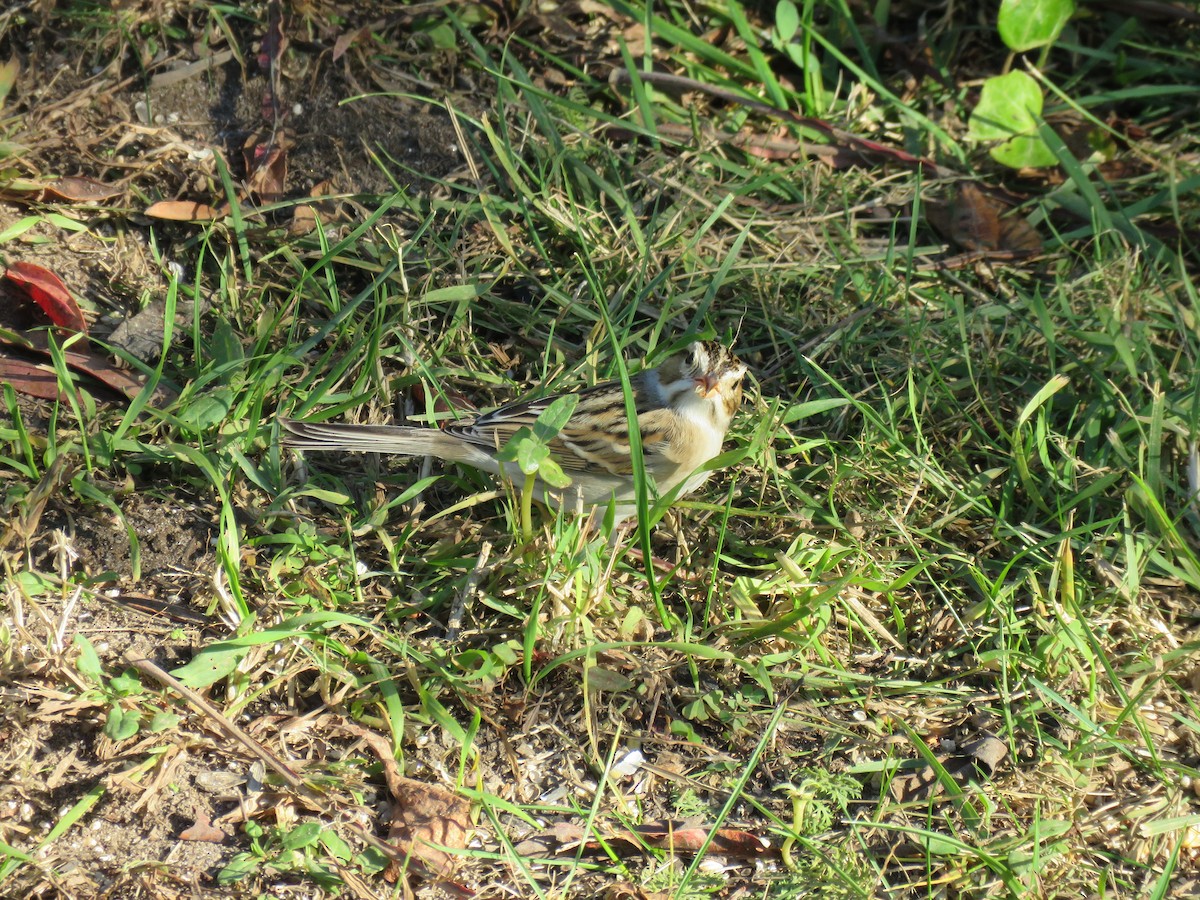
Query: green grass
point(959, 503)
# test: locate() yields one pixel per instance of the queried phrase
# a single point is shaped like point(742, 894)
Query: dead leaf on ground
point(423, 815)
point(265, 155)
point(78, 189)
point(626, 890)
point(39, 380)
point(48, 291)
point(680, 837)
point(690, 839)
point(866, 152)
point(977, 758)
point(111, 374)
point(141, 335)
point(348, 39)
point(183, 211)
point(29, 378)
point(203, 830)
point(976, 220)
point(304, 219)
point(71, 188)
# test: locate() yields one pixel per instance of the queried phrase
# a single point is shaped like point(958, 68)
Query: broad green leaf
point(787, 20)
point(34, 584)
point(241, 866)
point(511, 447)
point(552, 473)
point(18, 228)
point(126, 683)
point(554, 417)
point(225, 347)
point(122, 725)
point(1026, 24)
point(9, 69)
point(455, 293)
point(208, 409)
point(336, 846)
point(88, 662)
point(798, 411)
point(531, 455)
point(302, 836)
point(210, 666)
point(163, 721)
point(1008, 111)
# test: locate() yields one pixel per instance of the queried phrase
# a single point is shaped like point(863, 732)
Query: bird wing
point(595, 439)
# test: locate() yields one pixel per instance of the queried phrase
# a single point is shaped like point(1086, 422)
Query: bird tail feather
point(406, 440)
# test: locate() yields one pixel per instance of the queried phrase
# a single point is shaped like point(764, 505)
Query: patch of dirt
point(148, 561)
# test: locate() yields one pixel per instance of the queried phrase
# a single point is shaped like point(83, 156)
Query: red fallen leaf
point(30, 379)
point(47, 291)
point(183, 211)
point(125, 381)
point(128, 382)
point(448, 400)
point(726, 841)
point(203, 830)
point(673, 836)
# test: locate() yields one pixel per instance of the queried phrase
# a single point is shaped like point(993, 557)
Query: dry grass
point(930, 632)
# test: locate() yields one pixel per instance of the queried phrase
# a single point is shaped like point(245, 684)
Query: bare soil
point(153, 141)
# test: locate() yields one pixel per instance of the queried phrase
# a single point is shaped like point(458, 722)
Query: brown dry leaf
point(348, 39)
point(423, 815)
point(680, 837)
point(689, 839)
point(978, 758)
point(446, 401)
point(183, 211)
point(266, 165)
point(77, 189)
point(304, 219)
point(73, 189)
point(626, 890)
point(81, 359)
point(976, 220)
point(30, 379)
point(203, 830)
point(110, 374)
point(753, 143)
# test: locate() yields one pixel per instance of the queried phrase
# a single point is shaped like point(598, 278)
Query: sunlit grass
point(957, 504)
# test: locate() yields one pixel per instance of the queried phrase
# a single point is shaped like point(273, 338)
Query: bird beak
point(706, 385)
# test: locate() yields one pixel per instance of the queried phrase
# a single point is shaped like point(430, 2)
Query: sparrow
point(684, 407)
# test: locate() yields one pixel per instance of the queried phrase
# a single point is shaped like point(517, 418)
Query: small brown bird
point(684, 407)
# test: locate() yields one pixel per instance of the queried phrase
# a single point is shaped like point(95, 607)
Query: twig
point(454, 625)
